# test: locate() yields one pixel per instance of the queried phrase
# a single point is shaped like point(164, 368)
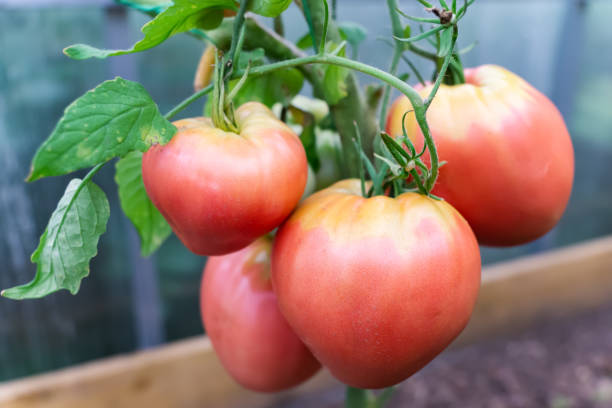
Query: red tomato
point(375, 287)
point(251, 337)
point(219, 190)
point(510, 158)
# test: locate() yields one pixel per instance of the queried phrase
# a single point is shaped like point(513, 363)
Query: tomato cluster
point(373, 288)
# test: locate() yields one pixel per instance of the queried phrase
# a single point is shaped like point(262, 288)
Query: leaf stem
point(188, 101)
point(238, 23)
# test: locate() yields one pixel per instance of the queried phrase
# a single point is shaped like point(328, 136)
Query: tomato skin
point(219, 191)
point(376, 287)
point(510, 160)
point(250, 336)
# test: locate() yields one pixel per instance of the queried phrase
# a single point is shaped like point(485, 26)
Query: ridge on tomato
point(220, 190)
point(510, 160)
point(375, 287)
point(241, 316)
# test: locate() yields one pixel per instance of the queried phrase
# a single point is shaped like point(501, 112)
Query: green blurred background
point(562, 47)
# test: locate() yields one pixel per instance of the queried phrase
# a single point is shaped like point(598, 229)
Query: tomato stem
point(398, 50)
point(188, 101)
point(236, 45)
point(443, 68)
point(414, 97)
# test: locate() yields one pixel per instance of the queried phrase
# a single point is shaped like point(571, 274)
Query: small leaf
point(311, 27)
point(334, 80)
point(399, 154)
point(254, 57)
point(446, 42)
point(269, 8)
point(68, 243)
point(150, 224)
point(353, 33)
point(407, 31)
point(182, 16)
point(278, 86)
point(425, 34)
point(109, 121)
point(304, 42)
point(323, 40)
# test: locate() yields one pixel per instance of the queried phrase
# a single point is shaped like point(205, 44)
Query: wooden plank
point(183, 374)
point(554, 284)
point(187, 373)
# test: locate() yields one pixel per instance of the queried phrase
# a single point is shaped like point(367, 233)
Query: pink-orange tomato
point(220, 190)
point(241, 316)
point(375, 287)
point(510, 161)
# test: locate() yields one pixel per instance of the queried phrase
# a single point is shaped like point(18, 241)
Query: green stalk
point(188, 101)
point(353, 107)
point(238, 23)
point(414, 97)
point(398, 49)
point(443, 69)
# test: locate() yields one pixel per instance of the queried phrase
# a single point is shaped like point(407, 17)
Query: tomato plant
point(240, 313)
point(510, 161)
point(376, 287)
point(219, 190)
point(371, 277)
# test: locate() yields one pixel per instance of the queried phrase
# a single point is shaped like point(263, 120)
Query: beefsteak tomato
point(510, 161)
point(250, 336)
point(375, 287)
point(220, 190)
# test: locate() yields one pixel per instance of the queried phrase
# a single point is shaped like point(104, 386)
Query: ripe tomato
point(219, 190)
point(251, 337)
point(510, 158)
point(375, 287)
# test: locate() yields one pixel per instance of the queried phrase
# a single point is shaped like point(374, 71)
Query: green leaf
point(353, 33)
point(399, 154)
point(304, 42)
point(311, 28)
point(150, 224)
point(182, 16)
point(446, 42)
point(308, 136)
point(334, 81)
point(323, 40)
point(269, 8)
point(116, 117)
point(254, 58)
point(148, 6)
point(68, 243)
point(278, 86)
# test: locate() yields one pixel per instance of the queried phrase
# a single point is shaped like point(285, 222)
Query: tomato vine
point(394, 166)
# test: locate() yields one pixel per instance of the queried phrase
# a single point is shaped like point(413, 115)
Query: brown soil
point(558, 364)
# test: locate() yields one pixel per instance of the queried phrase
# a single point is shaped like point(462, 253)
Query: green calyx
point(222, 113)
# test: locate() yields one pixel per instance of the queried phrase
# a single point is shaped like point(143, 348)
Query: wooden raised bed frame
point(186, 373)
